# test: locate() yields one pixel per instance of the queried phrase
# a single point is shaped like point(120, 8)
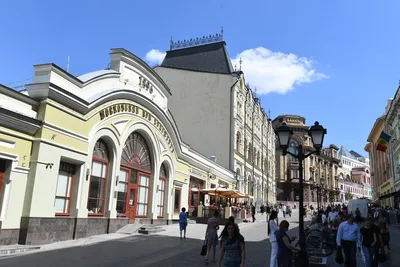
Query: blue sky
point(349, 49)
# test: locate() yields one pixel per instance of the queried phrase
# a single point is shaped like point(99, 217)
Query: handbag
point(203, 251)
point(339, 256)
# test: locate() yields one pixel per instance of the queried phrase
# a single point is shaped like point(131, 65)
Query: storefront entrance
point(134, 179)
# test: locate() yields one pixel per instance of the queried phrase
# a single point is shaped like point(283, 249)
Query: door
point(127, 194)
point(131, 203)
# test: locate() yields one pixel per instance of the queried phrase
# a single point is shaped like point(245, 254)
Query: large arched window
point(161, 191)
point(137, 165)
point(98, 179)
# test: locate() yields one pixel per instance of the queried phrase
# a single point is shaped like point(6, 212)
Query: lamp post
point(317, 133)
point(318, 187)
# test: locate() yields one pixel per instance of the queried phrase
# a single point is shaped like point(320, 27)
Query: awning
point(394, 194)
point(225, 193)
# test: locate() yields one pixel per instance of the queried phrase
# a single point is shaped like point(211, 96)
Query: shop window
point(122, 192)
point(98, 179)
point(161, 191)
point(65, 183)
point(177, 200)
point(143, 202)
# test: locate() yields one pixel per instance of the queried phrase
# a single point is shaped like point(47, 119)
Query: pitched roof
point(212, 58)
point(351, 154)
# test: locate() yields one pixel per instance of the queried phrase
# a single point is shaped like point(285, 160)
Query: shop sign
point(131, 108)
point(197, 173)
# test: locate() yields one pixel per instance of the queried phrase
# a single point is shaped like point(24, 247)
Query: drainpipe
point(252, 141)
point(232, 128)
point(262, 156)
point(244, 134)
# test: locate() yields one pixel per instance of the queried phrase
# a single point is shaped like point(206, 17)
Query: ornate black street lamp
point(318, 187)
point(317, 133)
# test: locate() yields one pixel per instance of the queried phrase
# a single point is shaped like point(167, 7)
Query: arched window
point(238, 142)
point(98, 179)
point(161, 191)
point(237, 179)
point(136, 167)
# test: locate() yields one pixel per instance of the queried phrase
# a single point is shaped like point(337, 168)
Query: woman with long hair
point(272, 228)
point(233, 251)
point(212, 235)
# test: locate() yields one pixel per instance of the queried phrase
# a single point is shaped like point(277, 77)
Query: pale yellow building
point(86, 155)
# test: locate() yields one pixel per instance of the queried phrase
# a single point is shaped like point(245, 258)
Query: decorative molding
point(218, 37)
point(64, 131)
point(7, 143)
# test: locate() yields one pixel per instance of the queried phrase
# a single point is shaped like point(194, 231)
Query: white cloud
point(266, 70)
point(274, 71)
point(155, 57)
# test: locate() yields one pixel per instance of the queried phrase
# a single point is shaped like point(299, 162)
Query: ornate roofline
point(218, 37)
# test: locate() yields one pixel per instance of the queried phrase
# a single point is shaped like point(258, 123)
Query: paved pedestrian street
point(165, 249)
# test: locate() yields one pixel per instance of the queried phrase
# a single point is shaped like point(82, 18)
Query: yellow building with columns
point(81, 156)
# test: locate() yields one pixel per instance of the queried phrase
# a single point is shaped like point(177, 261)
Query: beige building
point(86, 155)
point(219, 115)
point(325, 165)
point(382, 181)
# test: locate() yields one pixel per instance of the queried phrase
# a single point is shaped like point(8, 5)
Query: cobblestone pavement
point(164, 250)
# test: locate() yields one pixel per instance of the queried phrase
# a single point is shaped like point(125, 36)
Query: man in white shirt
point(333, 216)
point(323, 218)
point(284, 211)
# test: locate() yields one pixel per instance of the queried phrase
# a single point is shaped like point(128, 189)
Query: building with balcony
point(325, 165)
point(382, 182)
point(219, 115)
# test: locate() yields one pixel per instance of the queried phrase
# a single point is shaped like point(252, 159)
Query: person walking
point(272, 229)
point(183, 222)
point(348, 238)
point(370, 242)
point(253, 212)
point(268, 210)
point(233, 250)
point(284, 211)
point(212, 235)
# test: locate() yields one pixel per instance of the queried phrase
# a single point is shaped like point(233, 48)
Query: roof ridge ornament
point(218, 37)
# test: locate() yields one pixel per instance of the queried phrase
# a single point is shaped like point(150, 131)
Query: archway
point(134, 178)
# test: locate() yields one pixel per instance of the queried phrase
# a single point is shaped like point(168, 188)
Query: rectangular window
point(143, 202)
point(177, 200)
point(161, 197)
point(65, 182)
point(122, 191)
point(294, 174)
point(97, 188)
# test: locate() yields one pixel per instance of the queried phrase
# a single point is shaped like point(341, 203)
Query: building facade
point(382, 182)
point(219, 115)
point(82, 156)
point(393, 127)
point(325, 165)
point(355, 179)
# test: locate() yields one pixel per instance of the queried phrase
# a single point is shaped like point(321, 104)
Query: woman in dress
point(233, 251)
point(272, 228)
point(285, 254)
point(183, 222)
point(212, 235)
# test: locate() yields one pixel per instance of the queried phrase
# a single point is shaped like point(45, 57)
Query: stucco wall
point(200, 105)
